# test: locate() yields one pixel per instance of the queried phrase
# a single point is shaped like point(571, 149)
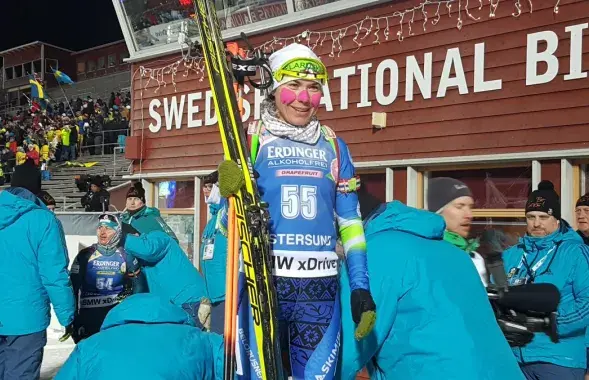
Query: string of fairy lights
point(377, 27)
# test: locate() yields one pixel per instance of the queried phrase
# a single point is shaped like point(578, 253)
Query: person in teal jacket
point(170, 274)
point(434, 317)
point(33, 274)
point(159, 342)
point(552, 252)
point(144, 219)
point(582, 217)
point(213, 250)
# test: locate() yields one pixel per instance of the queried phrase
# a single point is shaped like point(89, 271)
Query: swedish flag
point(61, 77)
point(36, 89)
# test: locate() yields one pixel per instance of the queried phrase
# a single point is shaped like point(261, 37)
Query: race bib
point(208, 252)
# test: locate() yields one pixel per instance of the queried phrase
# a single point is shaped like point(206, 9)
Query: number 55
point(298, 200)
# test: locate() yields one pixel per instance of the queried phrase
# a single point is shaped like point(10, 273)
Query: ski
point(251, 215)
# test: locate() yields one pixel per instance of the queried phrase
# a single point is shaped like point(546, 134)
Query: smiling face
point(458, 215)
point(298, 101)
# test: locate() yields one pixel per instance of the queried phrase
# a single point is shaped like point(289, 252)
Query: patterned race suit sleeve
point(350, 223)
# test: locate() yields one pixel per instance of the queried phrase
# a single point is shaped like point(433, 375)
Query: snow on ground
point(56, 353)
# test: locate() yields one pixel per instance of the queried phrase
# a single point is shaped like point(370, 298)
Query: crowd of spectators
point(62, 132)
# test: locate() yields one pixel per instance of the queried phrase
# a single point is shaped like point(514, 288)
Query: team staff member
point(552, 252)
point(144, 219)
point(213, 251)
point(33, 274)
point(453, 200)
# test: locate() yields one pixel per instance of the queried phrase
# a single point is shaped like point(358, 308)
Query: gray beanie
point(443, 190)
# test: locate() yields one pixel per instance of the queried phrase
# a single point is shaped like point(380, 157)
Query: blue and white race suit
point(310, 204)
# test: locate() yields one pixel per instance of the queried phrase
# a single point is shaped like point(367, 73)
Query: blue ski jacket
point(33, 265)
point(564, 262)
point(146, 220)
point(213, 251)
point(146, 337)
point(169, 272)
point(434, 320)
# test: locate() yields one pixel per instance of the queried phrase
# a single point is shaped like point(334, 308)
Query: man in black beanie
point(552, 252)
point(33, 274)
point(543, 210)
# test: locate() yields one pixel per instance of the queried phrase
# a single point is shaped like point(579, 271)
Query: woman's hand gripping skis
point(251, 216)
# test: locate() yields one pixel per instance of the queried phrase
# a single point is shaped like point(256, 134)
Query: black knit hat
point(137, 191)
point(583, 201)
point(544, 199)
point(96, 180)
point(443, 190)
point(211, 178)
point(27, 176)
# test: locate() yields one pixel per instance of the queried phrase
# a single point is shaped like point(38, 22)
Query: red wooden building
point(499, 102)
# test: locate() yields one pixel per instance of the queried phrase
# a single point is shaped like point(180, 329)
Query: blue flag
point(61, 77)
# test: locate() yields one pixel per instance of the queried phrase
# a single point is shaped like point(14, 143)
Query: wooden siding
point(516, 118)
point(93, 55)
point(20, 56)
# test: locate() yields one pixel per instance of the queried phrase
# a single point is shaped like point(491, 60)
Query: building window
point(18, 71)
point(81, 67)
point(122, 58)
point(374, 184)
point(175, 200)
point(112, 60)
point(37, 66)
point(91, 66)
point(9, 73)
point(301, 5)
point(28, 68)
point(175, 194)
point(101, 63)
point(51, 63)
point(495, 188)
point(500, 196)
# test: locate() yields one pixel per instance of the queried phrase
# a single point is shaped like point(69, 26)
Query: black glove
point(69, 332)
point(363, 312)
point(361, 301)
point(127, 229)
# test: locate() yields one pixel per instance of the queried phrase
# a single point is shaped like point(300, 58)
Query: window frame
point(48, 65)
point(78, 63)
point(103, 60)
point(114, 61)
point(11, 68)
point(88, 68)
point(152, 191)
point(423, 174)
point(290, 19)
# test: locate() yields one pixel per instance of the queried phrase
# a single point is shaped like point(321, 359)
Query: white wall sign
point(176, 108)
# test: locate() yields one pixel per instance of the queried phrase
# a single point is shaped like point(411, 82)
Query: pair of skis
point(248, 216)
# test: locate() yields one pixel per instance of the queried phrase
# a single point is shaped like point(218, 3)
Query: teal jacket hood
point(144, 211)
point(15, 202)
point(396, 216)
point(146, 308)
